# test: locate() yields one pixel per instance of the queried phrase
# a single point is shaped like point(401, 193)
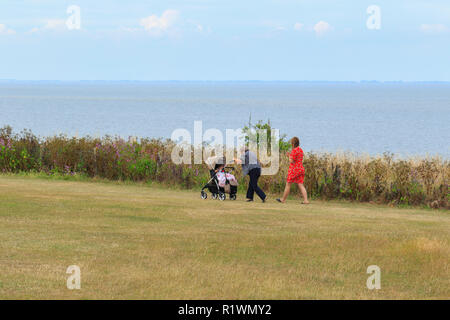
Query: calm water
point(406, 119)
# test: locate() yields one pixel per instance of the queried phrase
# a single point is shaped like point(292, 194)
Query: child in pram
point(223, 177)
point(221, 181)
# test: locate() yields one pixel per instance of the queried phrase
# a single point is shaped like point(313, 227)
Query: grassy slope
point(133, 241)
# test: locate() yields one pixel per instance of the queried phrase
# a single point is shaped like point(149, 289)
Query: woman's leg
point(254, 176)
point(287, 189)
point(303, 191)
point(250, 190)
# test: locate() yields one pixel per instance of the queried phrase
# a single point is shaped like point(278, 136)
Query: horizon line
point(304, 81)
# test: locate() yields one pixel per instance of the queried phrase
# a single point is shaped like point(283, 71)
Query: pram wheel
point(232, 196)
point(214, 196)
point(204, 195)
point(221, 196)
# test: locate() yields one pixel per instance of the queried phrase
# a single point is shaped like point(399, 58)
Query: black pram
point(218, 192)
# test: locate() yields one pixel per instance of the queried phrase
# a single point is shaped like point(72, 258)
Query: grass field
point(136, 241)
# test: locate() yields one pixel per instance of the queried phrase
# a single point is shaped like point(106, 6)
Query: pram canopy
point(211, 162)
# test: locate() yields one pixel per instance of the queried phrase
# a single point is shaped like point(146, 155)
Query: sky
point(268, 40)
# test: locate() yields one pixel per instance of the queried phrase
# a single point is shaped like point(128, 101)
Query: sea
point(406, 119)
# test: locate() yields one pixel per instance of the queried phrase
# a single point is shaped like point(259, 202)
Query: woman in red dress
point(296, 172)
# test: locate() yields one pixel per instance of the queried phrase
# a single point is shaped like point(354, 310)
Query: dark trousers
point(253, 184)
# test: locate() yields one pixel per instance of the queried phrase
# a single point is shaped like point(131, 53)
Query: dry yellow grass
point(134, 241)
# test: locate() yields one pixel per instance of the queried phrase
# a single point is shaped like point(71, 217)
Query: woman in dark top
point(252, 167)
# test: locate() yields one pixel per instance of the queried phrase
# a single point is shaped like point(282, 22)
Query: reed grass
point(418, 181)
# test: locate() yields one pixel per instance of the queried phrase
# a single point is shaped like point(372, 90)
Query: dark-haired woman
point(252, 167)
point(296, 172)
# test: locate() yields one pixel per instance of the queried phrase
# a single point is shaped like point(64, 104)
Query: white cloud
point(204, 30)
point(157, 26)
point(298, 26)
point(128, 29)
point(6, 30)
point(55, 24)
point(197, 27)
point(322, 27)
point(274, 26)
point(434, 28)
point(51, 25)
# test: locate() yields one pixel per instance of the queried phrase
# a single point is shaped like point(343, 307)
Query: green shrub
point(383, 179)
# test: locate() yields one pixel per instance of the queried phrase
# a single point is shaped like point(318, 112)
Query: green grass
point(138, 241)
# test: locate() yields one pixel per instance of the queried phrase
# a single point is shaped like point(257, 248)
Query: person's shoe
point(249, 200)
point(279, 200)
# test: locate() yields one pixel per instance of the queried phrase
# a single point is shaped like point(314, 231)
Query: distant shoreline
point(2, 81)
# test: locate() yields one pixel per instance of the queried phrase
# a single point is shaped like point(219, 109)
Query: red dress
point(296, 172)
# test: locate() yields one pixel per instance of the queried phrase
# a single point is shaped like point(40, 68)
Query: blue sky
point(225, 40)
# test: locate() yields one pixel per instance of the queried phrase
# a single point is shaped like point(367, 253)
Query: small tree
point(252, 133)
